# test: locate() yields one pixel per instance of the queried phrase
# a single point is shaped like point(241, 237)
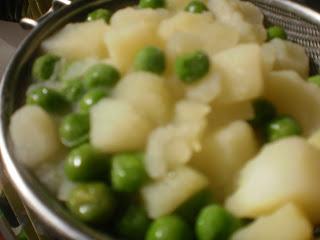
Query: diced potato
point(223, 114)
point(166, 195)
point(293, 96)
point(284, 171)
point(79, 40)
point(176, 5)
point(148, 93)
point(130, 16)
point(314, 139)
point(34, 135)
point(116, 126)
point(224, 152)
point(123, 43)
point(288, 56)
point(287, 223)
point(241, 72)
point(189, 111)
point(268, 59)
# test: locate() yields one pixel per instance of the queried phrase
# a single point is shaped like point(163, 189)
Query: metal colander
point(302, 26)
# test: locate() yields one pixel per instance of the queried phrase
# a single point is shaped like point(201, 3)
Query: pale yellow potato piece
point(34, 135)
point(224, 153)
point(76, 69)
point(116, 126)
point(176, 5)
point(241, 73)
point(148, 93)
point(293, 96)
point(287, 223)
point(288, 56)
point(314, 139)
point(79, 40)
point(284, 171)
point(124, 43)
point(164, 196)
point(130, 16)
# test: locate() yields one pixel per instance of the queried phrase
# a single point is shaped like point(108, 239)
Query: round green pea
point(74, 129)
point(134, 224)
point(150, 59)
point(264, 112)
point(44, 66)
point(152, 4)
point(191, 67)
point(47, 98)
point(196, 7)
point(98, 14)
point(215, 223)
point(127, 172)
point(281, 127)
point(73, 90)
point(91, 98)
point(91, 202)
point(85, 163)
point(169, 228)
point(315, 79)
point(276, 32)
point(101, 75)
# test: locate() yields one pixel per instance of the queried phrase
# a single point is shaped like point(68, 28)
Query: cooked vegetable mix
point(177, 120)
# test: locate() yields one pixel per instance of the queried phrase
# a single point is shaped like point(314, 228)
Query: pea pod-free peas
point(44, 66)
point(276, 32)
point(91, 202)
point(98, 14)
point(152, 4)
point(196, 7)
point(315, 79)
point(264, 112)
point(73, 90)
point(91, 98)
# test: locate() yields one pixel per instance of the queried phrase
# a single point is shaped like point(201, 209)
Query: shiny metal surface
point(302, 25)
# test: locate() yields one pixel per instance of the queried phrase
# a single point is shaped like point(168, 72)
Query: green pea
point(196, 7)
point(191, 67)
point(150, 59)
point(44, 66)
point(74, 129)
point(47, 98)
point(134, 224)
point(190, 209)
point(315, 79)
point(101, 75)
point(264, 112)
point(215, 223)
point(91, 98)
point(85, 163)
point(73, 90)
point(169, 228)
point(127, 172)
point(98, 14)
point(152, 4)
point(281, 127)
point(91, 202)
point(276, 32)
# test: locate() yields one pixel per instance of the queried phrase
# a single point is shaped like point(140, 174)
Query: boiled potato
point(34, 135)
point(284, 171)
point(130, 16)
point(241, 73)
point(116, 126)
point(148, 93)
point(124, 43)
point(190, 111)
point(287, 223)
point(288, 56)
point(164, 196)
point(314, 139)
point(224, 153)
point(268, 59)
point(79, 40)
point(293, 96)
point(176, 5)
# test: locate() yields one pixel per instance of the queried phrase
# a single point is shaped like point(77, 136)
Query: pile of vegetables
point(176, 120)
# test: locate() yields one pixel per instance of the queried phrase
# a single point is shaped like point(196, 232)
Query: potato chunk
point(176, 5)
point(166, 195)
point(79, 40)
point(284, 171)
point(34, 135)
point(224, 153)
point(241, 72)
point(296, 97)
point(148, 93)
point(287, 223)
point(117, 126)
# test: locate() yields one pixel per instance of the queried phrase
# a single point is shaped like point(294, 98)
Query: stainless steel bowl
point(301, 23)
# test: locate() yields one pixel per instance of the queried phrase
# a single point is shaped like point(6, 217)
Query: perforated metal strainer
point(301, 24)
